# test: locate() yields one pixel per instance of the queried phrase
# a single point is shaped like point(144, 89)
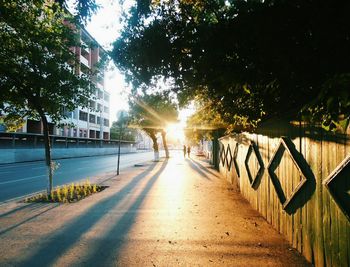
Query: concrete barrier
point(23, 155)
point(22, 147)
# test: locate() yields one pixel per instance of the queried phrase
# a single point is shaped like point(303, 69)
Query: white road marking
point(18, 165)
point(23, 179)
point(37, 168)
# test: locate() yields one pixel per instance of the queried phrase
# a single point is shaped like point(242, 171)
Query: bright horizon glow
point(175, 131)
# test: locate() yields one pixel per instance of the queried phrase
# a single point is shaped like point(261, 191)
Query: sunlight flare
point(175, 131)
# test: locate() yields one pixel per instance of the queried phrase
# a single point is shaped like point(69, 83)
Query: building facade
point(88, 123)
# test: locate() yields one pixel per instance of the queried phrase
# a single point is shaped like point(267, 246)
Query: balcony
point(84, 48)
point(84, 61)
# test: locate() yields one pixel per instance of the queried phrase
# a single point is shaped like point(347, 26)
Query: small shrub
point(65, 193)
point(68, 193)
point(58, 194)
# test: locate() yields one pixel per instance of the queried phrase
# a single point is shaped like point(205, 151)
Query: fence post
point(216, 149)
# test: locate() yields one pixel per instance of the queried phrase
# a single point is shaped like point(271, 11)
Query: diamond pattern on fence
point(338, 185)
point(235, 154)
point(222, 154)
point(228, 157)
point(285, 145)
point(255, 150)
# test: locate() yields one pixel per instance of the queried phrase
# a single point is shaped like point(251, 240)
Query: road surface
point(178, 212)
point(20, 179)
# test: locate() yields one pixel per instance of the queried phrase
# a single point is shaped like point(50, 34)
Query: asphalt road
point(20, 179)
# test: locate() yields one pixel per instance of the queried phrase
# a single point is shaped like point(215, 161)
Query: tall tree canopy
point(37, 65)
point(249, 60)
point(152, 113)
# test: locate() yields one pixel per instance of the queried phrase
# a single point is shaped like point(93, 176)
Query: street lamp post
point(120, 137)
point(121, 121)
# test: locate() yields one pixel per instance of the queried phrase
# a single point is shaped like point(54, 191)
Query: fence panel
point(299, 180)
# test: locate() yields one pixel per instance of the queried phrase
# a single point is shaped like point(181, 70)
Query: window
point(92, 104)
point(106, 98)
point(75, 114)
point(100, 94)
point(92, 118)
point(106, 109)
point(100, 79)
point(83, 116)
point(84, 69)
point(106, 122)
point(99, 107)
point(98, 120)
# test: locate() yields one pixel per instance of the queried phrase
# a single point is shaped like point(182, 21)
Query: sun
point(175, 131)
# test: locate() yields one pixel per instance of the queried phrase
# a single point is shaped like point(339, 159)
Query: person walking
point(184, 151)
point(188, 151)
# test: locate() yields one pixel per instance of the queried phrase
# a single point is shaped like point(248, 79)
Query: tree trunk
point(47, 154)
point(155, 145)
point(165, 144)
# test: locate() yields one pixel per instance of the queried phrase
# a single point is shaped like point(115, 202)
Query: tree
point(37, 66)
point(203, 123)
point(152, 113)
point(83, 8)
point(117, 131)
point(250, 60)
point(129, 134)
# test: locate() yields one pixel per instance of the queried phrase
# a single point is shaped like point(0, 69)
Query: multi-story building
point(88, 123)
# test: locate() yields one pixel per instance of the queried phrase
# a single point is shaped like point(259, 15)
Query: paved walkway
point(177, 212)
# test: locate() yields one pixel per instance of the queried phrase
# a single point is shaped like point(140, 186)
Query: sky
point(105, 27)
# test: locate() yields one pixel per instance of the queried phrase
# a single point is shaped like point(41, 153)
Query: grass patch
point(68, 193)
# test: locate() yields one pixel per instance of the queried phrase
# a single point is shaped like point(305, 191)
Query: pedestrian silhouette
point(188, 151)
point(184, 151)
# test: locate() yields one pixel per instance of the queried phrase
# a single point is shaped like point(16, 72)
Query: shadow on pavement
point(62, 240)
point(28, 219)
point(111, 243)
point(198, 169)
point(205, 169)
point(30, 206)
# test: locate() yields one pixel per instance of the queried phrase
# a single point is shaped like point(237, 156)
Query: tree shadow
point(103, 250)
point(28, 219)
point(60, 242)
point(198, 169)
point(204, 168)
point(31, 206)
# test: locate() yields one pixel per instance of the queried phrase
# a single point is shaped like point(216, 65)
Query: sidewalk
point(176, 212)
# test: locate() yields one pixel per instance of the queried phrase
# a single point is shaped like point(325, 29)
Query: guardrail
point(30, 141)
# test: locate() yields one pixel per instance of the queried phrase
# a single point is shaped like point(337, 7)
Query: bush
point(68, 193)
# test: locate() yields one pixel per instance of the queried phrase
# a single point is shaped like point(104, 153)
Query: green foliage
point(152, 112)
point(12, 122)
point(37, 65)
point(68, 193)
point(83, 9)
point(250, 60)
point(119, 128)
point(127, 134)
point(203, 123)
